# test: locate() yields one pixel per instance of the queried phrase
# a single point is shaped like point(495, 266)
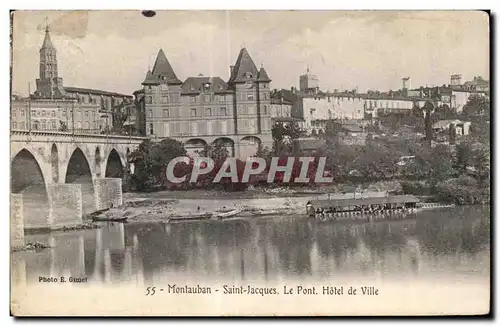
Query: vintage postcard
point(250, 163)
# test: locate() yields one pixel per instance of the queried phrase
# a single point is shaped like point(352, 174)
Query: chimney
point(293, 90)
point(231, 70)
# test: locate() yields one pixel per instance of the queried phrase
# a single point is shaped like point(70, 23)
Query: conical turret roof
point(263, 77)
point(163, 70)
point(149, 80)
point(244, 69)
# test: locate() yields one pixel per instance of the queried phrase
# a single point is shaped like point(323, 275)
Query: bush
point(462, 191)
point(416, 188)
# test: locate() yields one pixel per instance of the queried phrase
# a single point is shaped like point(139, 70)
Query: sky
point(367, 50)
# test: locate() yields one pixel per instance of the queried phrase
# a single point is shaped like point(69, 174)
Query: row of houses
point(311, 108)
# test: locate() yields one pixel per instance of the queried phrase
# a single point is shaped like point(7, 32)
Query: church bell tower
point(49, 85)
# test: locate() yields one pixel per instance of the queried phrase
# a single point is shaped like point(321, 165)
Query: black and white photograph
point(250, 163)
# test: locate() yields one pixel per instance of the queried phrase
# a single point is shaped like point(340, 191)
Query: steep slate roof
point(244, 64)
point(263, 77)
point(194, 85)
point(150, 80)
point(163, 68)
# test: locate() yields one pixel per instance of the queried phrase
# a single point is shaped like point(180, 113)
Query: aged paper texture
point(250, 163)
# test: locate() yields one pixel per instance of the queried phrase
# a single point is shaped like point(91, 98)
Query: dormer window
point(248, 75)
point(163, 77)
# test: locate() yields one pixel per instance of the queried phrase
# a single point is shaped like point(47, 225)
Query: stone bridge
point(57, 177)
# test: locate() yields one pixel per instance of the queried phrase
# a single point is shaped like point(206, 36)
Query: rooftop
point(365, 201)
point(93, 91)
point(195, 85)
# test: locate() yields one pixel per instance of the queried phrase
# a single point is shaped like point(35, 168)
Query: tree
point(120, 115)
point(476, 105)
point(341, 160)
point(441, 163)
point(377, 161)
point(428, 109)
point(292, 130)
point(217, 152)
point(152, 161)
point(464, 156)
point(278, 131)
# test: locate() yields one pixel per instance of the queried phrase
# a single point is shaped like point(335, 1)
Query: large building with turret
point(204, 110)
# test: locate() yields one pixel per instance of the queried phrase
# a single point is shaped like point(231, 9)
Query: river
point(451, 244)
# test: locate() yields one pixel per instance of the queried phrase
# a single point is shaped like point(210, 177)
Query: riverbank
point(253, 203)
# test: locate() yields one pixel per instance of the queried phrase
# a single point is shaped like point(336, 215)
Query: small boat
point(226, 213)
point(99, 212)
point(109, 219)
point(192, 217)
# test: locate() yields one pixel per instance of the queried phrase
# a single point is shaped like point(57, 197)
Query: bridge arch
point(249, 145)
point(227, 142)
point(114, 165)
point(79, 172)
point(195, 146)
point(27, 178)
point(54, 160)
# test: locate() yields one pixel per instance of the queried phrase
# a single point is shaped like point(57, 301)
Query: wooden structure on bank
point(364, 208)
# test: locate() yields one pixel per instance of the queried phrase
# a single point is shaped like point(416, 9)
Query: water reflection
point(449, 241)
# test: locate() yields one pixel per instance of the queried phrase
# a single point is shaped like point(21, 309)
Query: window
point(86, 113)
point(79, 110)
point(43, 125)
point(63, 113)
point(85, 124)
point(264, 85)
point(151, 130)
point(165, 98)
point(266, 96)
point(150, 113)
point(54, 124)
point(250, 97)
point(265, 109)
point(14, 125)
point(208, 112)
point(149, 99)
point(207, 98)
point(166, 130)
point(43, 113)
point(223, 111)
point(223, 98)
point(78, 125)
point(193, 112)
point(22, 112)
point(166, 114)
point(21, 125)
point(192, 99)
point(35, 125)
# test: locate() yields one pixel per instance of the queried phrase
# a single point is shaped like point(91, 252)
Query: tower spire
point(47, 27)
